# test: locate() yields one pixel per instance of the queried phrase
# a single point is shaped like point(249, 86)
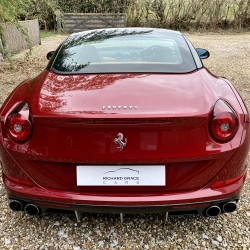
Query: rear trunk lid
point(159, 116)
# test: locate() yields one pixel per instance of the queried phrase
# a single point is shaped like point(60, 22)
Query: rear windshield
point(124, 50)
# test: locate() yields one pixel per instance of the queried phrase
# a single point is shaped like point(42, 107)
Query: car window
point(124, 50)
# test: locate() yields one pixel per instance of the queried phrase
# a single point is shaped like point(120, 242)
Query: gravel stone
point(219, 238)
point(204, 236)
point(57, 223)
point(215, 243)
point(101, 243)
point(86, 235)
point(225, 245)
point(65, 236)
point(141, 220)
point(115, 242)
point(60, 233)
point(229, 57)
point(7, 242)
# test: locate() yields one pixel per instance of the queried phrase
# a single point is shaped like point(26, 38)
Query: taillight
point(224, 122)
point(18, 125)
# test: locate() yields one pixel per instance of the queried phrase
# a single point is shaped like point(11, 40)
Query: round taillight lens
point(18, 127)
point(224, 123)
point(224, 128)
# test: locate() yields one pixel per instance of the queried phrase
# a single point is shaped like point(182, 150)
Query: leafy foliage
point(12, 11)
point(91, 6)
point(188, 14)
point(9, 12)
point(44, 10)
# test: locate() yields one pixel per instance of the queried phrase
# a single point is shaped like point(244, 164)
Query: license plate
point(133, 175)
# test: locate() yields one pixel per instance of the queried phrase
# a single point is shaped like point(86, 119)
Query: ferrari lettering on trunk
point(119, 107)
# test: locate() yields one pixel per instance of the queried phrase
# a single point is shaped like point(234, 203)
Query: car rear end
point(173, 143)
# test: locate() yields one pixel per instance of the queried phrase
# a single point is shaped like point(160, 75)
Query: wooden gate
point(76, 22)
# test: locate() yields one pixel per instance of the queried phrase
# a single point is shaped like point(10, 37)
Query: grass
point(44, 33)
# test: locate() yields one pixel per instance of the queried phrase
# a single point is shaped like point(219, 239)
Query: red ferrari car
point(124, 120)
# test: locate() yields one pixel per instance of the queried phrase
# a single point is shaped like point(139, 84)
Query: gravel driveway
point(230, 58)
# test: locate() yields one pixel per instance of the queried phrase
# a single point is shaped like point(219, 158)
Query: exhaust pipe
point(15, 205)
point(213, 211)
point(230, 207)
point(31, 209)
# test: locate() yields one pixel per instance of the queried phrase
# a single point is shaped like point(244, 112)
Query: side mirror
point(203, 53)
point(49, 55)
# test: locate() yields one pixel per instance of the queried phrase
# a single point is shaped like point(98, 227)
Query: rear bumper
point(194, 202)
point(172, 210)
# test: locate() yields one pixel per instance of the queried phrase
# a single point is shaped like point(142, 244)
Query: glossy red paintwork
point(121, 199)
point(169, 126)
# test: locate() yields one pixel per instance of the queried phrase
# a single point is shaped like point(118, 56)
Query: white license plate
point(132, 175)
